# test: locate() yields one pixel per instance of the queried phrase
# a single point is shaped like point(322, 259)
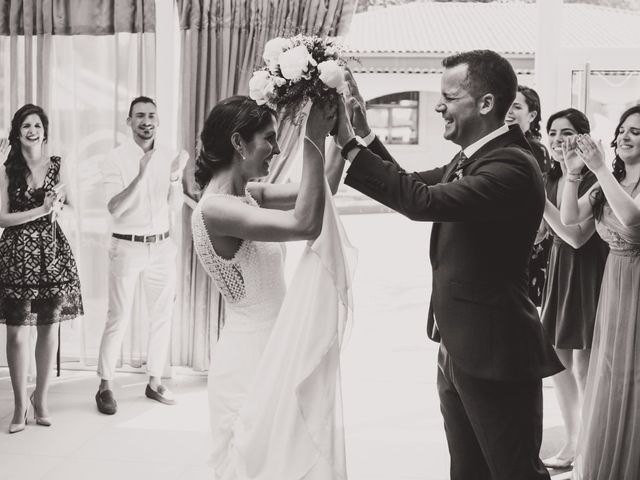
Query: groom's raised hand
point(345, 131)
point(356, 107)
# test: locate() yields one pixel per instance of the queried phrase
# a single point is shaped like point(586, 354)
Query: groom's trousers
point(493, 428)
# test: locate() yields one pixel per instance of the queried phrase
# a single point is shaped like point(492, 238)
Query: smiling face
point(259, 151)
point(32, 133)
point(561, 130)
point(628, 140)
point(459, 109)
point(143, 121)
point(519, 113)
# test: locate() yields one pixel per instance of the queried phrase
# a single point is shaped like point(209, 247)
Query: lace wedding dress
point(274, 380)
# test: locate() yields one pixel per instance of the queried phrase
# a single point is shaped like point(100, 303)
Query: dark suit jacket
point(482, 236)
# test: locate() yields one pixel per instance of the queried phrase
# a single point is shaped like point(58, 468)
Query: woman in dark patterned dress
point(39, 283)
point(525, 111)
point(574, 276)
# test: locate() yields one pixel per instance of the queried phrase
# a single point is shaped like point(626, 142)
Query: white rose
point(269, 89)
point(295, 62)
point(273, 49)
point(332, 74)
point(258, 84)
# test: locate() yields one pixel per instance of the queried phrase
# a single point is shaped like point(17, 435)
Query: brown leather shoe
point(106, 402)
point(159, 395)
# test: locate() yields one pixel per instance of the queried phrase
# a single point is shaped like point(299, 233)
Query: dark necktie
point(457, 172)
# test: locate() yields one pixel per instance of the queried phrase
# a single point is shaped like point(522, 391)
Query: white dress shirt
point(474, 147)
point(149, 213)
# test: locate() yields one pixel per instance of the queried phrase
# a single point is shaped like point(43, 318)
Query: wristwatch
point(355, 142)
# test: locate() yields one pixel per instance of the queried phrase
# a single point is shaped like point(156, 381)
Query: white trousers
point(155, 264)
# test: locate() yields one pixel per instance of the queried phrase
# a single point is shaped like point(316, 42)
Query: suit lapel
point(450, 168)
point(513, 137)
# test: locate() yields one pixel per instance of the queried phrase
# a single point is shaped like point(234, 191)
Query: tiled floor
point(393, 424)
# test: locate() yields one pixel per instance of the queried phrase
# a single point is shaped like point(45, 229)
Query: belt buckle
point(149, 238)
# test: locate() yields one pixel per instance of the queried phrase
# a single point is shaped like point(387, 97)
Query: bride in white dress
point(274, 379)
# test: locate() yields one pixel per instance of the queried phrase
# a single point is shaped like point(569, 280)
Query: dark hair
point(140, 99)
point(234, 114)
point(580, 123)
point(17, 170)
point(619, 169)
point(488, 72)
point(532, 99)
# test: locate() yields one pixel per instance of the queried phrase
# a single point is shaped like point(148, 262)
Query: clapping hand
point(345, 129)
point(50, 198)
point(54, 203)
point(146, 159)
point(178, 164)
point(5, 148)
point(572, 160)
point(356, 107)
point(591, 153)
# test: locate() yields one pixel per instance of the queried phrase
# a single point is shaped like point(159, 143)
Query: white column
point(549, 45)
point(167, 70)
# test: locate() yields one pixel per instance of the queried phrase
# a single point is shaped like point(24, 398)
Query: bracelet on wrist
point(574, 178)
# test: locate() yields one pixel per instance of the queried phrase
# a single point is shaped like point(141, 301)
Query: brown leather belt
point(142, 238)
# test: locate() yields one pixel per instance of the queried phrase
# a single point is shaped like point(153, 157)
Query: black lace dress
point(39, 282)
point(540, 252)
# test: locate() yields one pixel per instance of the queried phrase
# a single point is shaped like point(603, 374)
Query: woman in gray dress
point(608, 443)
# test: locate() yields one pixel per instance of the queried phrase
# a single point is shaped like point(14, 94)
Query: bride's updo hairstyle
point(235, 114)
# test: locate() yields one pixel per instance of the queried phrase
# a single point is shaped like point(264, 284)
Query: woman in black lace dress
point(39, 283)
point(525, 111)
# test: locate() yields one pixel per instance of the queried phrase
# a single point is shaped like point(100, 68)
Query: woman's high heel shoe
point(44, 421)
point(18, 427)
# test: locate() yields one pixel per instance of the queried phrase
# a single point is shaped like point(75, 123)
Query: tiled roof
point(510, 28)
point(360, 69)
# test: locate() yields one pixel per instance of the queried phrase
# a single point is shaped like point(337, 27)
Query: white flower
point(273, 49)
point(269, 89)
point(258, 85)
point(332, 75)
point(295, 62)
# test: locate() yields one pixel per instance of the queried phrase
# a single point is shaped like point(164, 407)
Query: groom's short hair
point(488, 72)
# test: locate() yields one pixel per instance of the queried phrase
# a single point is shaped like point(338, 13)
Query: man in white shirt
point(143, 182)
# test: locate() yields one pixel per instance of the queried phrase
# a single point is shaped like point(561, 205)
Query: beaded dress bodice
point(622, 240)
point(251, 282)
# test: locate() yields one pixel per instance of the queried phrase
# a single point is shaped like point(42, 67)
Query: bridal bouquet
point(298, 69)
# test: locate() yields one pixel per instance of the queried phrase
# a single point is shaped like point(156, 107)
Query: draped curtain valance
point(275, 17)
point(76, 17)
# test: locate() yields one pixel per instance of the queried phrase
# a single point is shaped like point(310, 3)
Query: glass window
point(609, 93)
point(394, 118)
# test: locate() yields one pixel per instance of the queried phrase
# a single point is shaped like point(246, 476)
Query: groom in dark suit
point(486, 205)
